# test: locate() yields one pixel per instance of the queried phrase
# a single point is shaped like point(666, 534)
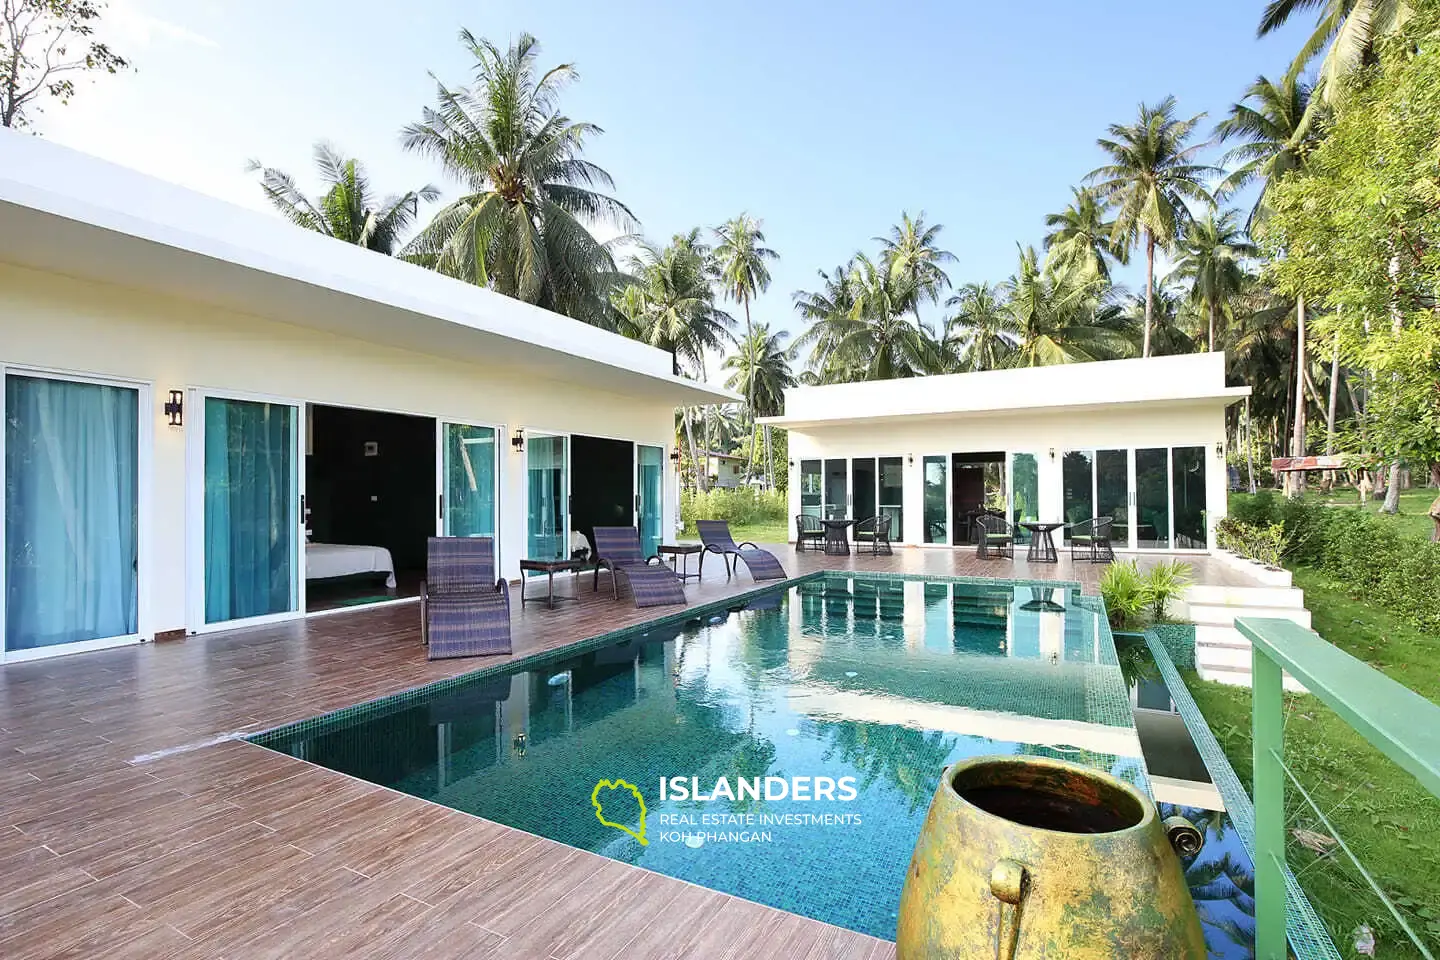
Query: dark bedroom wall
point(602, 486)
point(341, 481)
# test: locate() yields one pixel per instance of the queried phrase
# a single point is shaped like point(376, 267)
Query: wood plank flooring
point(133, 824)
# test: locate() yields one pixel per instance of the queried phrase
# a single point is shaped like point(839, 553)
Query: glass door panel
point(71, 509)
point(467, 478)
point(649, 471)
point(810, 495)
point(1188, 487)
point(937, 499)
point(1112, 492)
point(862, 487)
point(892, 495)
point(1024, 487)
point(836, 502)
point(1152, 498)
point(252, 505)
point(548, 485)
point(1077, 476)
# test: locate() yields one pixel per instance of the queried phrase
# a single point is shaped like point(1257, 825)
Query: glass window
point(892, 494)
point(650, 470)
point(1112, 492)
point(1152, 498)
point(549, 498)
point(836, 502)
point(1077, 475)
point(1025, 497)
point(810, 488)
point(71, 474)
point(862, 487)
point(1189, 488)
point(469, 477)
point(937, 500)
point(995, 486)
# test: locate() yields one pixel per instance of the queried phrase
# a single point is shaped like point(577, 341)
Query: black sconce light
point(517, 440)
point(1052, 453)
point(912, 459)
point(675, 455)
point(175, 408)
point(792, 464)
point(1219, 449)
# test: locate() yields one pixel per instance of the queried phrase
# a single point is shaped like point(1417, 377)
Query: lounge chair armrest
point(747, 543)
point(654, 559)
point(503, 586)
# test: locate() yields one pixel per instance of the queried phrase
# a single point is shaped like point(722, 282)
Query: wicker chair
point(464, 608)
point(1090, 540)
point(809, 530)
point(995, 537)
point(715, 534)
point(652, 584)
point(876, 532)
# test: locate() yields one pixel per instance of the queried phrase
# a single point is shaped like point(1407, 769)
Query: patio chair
point(995, 537)
point(715, 534)
point(1090, 540)
point(876, 532)
point(809, 530)
point(464, 608)
point(652, 583)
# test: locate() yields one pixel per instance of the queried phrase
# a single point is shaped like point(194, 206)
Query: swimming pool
point(813, 723)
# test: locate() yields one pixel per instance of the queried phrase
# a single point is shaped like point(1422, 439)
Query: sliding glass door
point(649, 496)
point(1152, 498)
point(252, 566)
point(1156, 495)
point(547, 472)
point(937, 498)
point(836, 493)
point(862, 488)
point(810, 491)
point(1112, 492)
point(1188, 497)
point(468, 465)
point(71, 511)
point(891, 495)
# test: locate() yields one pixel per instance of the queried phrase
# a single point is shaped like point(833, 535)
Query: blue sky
point(825, 120)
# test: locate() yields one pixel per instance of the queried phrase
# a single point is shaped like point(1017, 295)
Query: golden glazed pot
point(1029, 858)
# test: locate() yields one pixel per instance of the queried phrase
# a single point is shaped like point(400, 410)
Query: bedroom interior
point(370, 505)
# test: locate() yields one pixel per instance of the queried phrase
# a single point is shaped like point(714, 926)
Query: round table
point(1042, 542)
point(837, 539)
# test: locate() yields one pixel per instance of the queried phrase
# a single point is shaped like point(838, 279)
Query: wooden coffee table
point(549, 568)
point(680, 555)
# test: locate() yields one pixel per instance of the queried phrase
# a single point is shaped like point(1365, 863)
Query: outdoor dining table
point(1042, 542)
point(837, 539)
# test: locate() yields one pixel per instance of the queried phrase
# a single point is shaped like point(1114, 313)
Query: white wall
point(58, 323)
point(1175, 423)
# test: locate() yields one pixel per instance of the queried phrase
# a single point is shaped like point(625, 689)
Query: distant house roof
point(723, 456)
point(1188, 378)
point(69, 213)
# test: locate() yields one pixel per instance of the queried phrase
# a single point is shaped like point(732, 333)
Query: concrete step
point(1245, 596)
point(1238, 677)
point(1208, 614)
point(1227, 656)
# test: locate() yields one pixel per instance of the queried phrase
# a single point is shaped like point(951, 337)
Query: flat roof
point(1153, 381)
point(65, 212)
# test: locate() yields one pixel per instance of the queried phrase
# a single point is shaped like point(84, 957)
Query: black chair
point(995, 537)
point(808, 529)
point(1090, 540)
point(876, 532)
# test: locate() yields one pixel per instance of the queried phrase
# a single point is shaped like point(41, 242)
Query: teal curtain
point(251, 509)
point(650, 465)
point(71, 512)
point(469, 481)
point(549, 495)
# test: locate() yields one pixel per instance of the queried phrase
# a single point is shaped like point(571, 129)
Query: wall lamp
point(792, 464)
point(1219, 449)
point(175, 408)
point(1052, 453)
point(517, 440)
point(675, 455)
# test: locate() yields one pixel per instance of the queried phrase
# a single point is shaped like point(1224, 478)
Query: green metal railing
point(1398, 721)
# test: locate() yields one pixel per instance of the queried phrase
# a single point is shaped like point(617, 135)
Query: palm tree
point(1061, 314)
point(1348, 28)
point(520, 229)
point(876, 339)
point(1151, 173)
point(742, 256)
point(826, 312)
point(1178, 323)
point(347, 211)
point(981, 334)
point(1213, 251)
point(760, 369)
point(1269, 121)
point(910, 251)
point(1081, 235)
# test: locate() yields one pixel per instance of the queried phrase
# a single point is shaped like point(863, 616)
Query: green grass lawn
point(776, 532)
point(1414, 507)
point(1387, 818)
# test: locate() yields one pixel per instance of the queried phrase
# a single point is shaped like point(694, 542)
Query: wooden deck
point(132, 824)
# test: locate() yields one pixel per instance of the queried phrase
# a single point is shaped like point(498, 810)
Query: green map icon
point(597, 803)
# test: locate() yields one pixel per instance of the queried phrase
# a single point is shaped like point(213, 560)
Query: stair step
point(1213, 656)
point(1209, 614)
point(1245, 596)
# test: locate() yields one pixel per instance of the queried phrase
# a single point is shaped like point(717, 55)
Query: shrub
point(1164, 583)
point(740, 506)
point(1265, 542)
point(1123, 590)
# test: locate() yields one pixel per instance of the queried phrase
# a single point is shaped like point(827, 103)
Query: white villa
point(1142, 441)
point(252, 408)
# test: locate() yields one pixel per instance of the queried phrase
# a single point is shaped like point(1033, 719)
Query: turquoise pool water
point(858, 689)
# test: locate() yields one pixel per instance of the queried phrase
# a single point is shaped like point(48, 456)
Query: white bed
point(325, 560)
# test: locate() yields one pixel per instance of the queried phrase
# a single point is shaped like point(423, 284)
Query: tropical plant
point(911, 253)
point(1153, 171)
point(760, 370)
point(1123, 590)
point(669, 301)
point(1176, 325)
point(348, 210)
point(1165, 582)
point(743, 261)
point(877, 339)
point(980, 334)
point(521, 227)
point(1080, 236)
point(1270, 126)
point(1062, 314)
point(1346, 31)
point(43, 43)
point(1213, 251)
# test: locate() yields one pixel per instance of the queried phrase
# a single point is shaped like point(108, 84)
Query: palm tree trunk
point(1213, 311)
point(1297, 441)
point(1149, 288)
point(769, 461)
point(1249, 445)
point(694, 461)
point(1330, 408)
point(750, 391)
